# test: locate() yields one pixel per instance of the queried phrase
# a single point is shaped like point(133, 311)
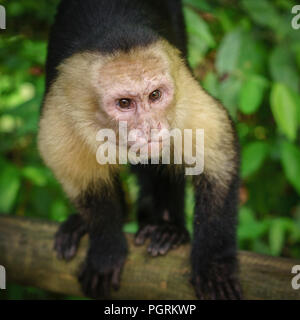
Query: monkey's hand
point(102, 267)
point(68, 236)
point(217, 282)
point(162, 237)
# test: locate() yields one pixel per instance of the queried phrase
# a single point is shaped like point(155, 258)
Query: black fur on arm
point(103, 212)
point(214, 252)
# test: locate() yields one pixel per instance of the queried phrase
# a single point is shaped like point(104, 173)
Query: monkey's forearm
point(103, 213)
point(215, 219)
point(214, 262)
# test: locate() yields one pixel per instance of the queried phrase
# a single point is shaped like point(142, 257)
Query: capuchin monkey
point(125, 60)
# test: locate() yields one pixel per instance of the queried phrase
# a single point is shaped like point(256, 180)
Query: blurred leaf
point(252, 94)
point(9, 187)
point(201, 5)
point(283, 67)
point(276, 236)
point(189, 205)
point(296, 48)
point(262, 12)
point(211, 84)
point(253, 156)
point(249, 227)
point(198, 27)
point(197, 50)
point(228, 52)
point(59, 210)
point(260, 246)
point(290, 158)
point(28, 114)
point(243, 130)
point(252, 58)
point(225, 19)
point(285, 110)
point(228, 94)
point(200, 38)
point(130, 227)
point(36, 175)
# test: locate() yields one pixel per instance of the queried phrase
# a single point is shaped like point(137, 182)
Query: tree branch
point(26, 253)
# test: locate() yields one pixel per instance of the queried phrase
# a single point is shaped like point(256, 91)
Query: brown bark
point(26, 253)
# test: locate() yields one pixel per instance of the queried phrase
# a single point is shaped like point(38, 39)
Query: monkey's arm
point(103, 213)
point(213, 255)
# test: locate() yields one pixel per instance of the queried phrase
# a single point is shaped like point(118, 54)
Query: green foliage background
point(245, 53)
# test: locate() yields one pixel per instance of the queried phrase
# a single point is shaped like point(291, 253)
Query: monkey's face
point(138, 90)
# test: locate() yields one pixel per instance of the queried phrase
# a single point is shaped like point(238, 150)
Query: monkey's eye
point(124, 103)
point(155, 95)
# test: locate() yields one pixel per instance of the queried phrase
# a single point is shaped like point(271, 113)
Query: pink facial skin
point(143, 114)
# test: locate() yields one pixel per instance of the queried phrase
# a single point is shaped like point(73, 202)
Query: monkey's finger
point(86, 279)
point(116, 277)
point(94, 282)
point(70, 252)
point(221, 291)
point(104, 289)
point(198, 288)
point(211, 290)
point(59, 245)
point(236, 290)
point(165, 248)
point(143, 234)
point(168, 244)
point(71, 245)
point(229, 293)
point(157, 239)
point(180, 239)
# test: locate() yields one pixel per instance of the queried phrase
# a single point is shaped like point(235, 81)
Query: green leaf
point(200, 39)
point(198, 27)
point(253, 55)
point(211, 84)
point(249, 227)
point(283, 67)
point(285, 110)
point(259, 246)
point(228, 94)
point(59, 210)
point(252, 94)
point(228, 53)
point(253, 156)
point(276, 236)
point(130, 227)
point(296, 49)
point(290, 158)
point(9, 187)
point(225, 18)
point(262, 12)
point(36, 175)
point(201, 5)
point(197, 50)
